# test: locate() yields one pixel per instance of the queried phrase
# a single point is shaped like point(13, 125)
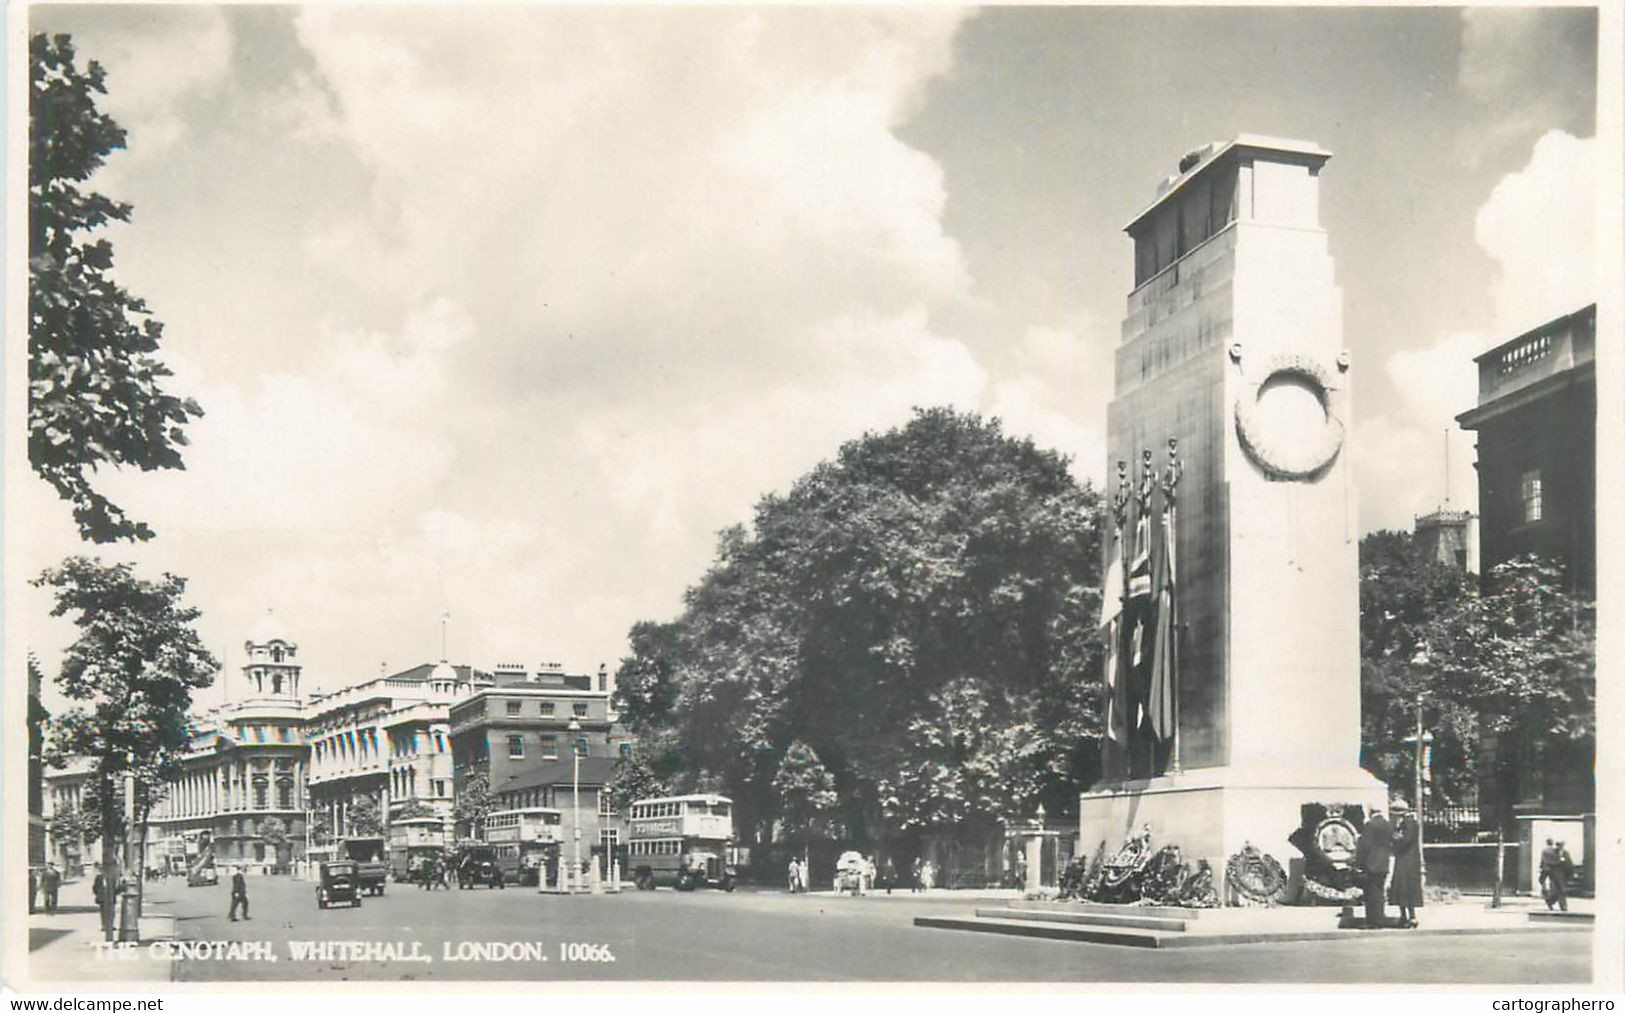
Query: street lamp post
point(575, 803)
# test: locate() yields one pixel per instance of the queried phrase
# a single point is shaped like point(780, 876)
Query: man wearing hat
point(1406, 889)
point(1371, 856)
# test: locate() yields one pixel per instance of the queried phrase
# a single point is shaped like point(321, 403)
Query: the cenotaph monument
point(1238, 703)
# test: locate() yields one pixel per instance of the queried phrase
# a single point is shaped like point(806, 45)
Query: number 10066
point(592, 953)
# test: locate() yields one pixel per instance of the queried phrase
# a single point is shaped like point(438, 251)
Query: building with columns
point(243, 781)
point(387, 739)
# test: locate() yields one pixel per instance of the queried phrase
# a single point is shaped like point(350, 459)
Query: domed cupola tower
point(272, 668)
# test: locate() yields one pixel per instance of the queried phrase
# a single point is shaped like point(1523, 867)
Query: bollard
point(594, 886)
point(128, 924)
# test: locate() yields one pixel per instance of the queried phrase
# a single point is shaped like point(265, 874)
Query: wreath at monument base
point(1328, 836)
point(1137, 875)
point(1331, 894)
point(1198, 889)
point(1254, 879)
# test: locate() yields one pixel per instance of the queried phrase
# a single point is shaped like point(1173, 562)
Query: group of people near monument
point(1397, 844)
point(858, 874)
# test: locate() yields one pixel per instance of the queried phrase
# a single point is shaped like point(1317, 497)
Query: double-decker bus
point(526, 843)
point(412, 841)
point(685, 841)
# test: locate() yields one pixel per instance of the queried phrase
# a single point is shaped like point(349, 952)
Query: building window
point(626, 751)
point(1533, 508)
point(546, 707)
point(606, 803)
point(439, 788)
point(550, 747)
point(581, 747)
point(261, 793)
point(516, 748)
point(513, 708)
point(609, 837)
point(580, 709)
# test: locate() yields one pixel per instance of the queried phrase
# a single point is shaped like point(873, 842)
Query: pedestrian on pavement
point(50, 883)
point(1372, 853)
point(916, 874)
point(1562, 870)
point(795, 875)
point(869, 874)
point(1405, 892)
point(34, 876)
point(891, 874)
point(239, 893)
point(98, 889)
point(1548, 863)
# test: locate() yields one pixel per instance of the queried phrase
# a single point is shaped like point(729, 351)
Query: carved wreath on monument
point(1279, 458)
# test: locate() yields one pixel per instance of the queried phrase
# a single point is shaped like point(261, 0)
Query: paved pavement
point(748, 936)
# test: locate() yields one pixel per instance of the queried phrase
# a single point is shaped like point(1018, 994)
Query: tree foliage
point(806, 795)
point(129, 678)
point(416, 808)
point(474, 802)
point(632, 779)
point(918, 612)
point(365, 818)
point(94, 378)
point(1512, 661)
point(1403, 595)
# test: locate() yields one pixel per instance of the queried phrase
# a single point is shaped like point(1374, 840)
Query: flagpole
point(1170, 483)
point(1115, 675)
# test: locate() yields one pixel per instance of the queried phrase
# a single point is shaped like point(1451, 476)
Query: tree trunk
point(109, 812)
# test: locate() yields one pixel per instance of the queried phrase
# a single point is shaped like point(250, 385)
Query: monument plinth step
point(1090, 907)
point(1234, 926)
point(1124, 918)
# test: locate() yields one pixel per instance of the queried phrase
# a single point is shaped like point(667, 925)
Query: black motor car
point(478, 867)
point(338, 885)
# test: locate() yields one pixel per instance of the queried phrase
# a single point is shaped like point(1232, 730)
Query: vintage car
point(478, 867)
point(338, 885)
point(203, 875)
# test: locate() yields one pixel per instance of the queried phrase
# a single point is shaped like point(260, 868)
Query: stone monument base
point(1213, 812)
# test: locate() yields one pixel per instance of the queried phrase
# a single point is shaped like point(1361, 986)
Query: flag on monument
point(1111, 617)
point(1137, 620)
point(1164, 656)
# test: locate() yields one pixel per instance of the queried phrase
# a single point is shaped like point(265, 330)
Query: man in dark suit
point(239, 893)
point(1372, 854)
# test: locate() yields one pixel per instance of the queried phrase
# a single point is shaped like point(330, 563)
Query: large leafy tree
point(95, 393)
point(1522, 656)
point(806, 797)
point(1403, 595)
point(930, 576)
point(129, 679)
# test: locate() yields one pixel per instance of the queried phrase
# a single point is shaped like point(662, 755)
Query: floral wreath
point(1279, 461)
point(1254, 879)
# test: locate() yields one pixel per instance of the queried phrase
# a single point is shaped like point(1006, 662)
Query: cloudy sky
point(506, 312)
